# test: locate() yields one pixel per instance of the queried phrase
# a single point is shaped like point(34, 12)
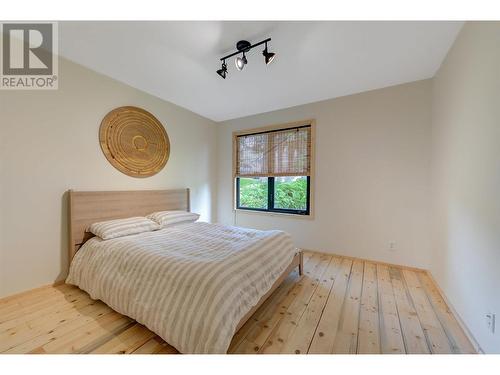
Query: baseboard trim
point(368, 260)
point(23, 293)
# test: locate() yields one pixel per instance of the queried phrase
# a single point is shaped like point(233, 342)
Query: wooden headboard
point(87, 207)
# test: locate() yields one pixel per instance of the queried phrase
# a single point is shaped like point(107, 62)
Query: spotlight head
point(240, 62)
point(223, 71)
point(268, 56)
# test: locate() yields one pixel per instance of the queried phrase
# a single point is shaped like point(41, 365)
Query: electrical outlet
point(392, 246)
point(490, 322)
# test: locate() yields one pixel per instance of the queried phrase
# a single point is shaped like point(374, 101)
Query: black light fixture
point(242, 47)
point(223, 71)
point(268, 56)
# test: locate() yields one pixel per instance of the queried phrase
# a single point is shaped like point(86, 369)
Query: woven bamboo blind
point(282, 152)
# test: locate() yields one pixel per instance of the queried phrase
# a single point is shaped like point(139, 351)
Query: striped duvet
point(189, 283)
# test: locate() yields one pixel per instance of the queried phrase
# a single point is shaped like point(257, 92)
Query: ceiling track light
point(244, 46)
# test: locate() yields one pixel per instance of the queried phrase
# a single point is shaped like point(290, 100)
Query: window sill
point(271, 213)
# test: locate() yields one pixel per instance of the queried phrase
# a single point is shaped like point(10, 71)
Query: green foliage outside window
point(253, 192)
point(289, 193)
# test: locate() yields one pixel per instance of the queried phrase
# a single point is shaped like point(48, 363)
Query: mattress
point(189, 283)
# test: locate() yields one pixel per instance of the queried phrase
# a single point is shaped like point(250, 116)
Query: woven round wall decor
point(134, 141)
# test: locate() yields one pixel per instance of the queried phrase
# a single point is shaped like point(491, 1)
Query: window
point(273, 169)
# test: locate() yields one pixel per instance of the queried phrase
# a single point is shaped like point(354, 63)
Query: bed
point(194, 284)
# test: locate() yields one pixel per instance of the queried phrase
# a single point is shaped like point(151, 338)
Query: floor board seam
point(360, 303)
point(341, 318)
point(308, 301)
point(426, 333)
point(323, 309)
point(399, 318)
point(312, 294)
point(451, 341)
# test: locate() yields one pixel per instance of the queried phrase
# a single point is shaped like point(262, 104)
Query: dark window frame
point(270, 199)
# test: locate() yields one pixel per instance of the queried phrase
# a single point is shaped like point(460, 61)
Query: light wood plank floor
point(340, 305)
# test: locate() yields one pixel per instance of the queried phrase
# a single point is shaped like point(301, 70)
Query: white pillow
point(122, 227)
point(165, 218)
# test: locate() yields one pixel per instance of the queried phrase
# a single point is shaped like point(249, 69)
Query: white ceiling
point(177, 61)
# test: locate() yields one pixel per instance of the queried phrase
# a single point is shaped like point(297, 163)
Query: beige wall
point(372, 175)
point(466, 178)
point(49, 144)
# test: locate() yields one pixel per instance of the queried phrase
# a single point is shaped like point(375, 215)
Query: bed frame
point(87, 207)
